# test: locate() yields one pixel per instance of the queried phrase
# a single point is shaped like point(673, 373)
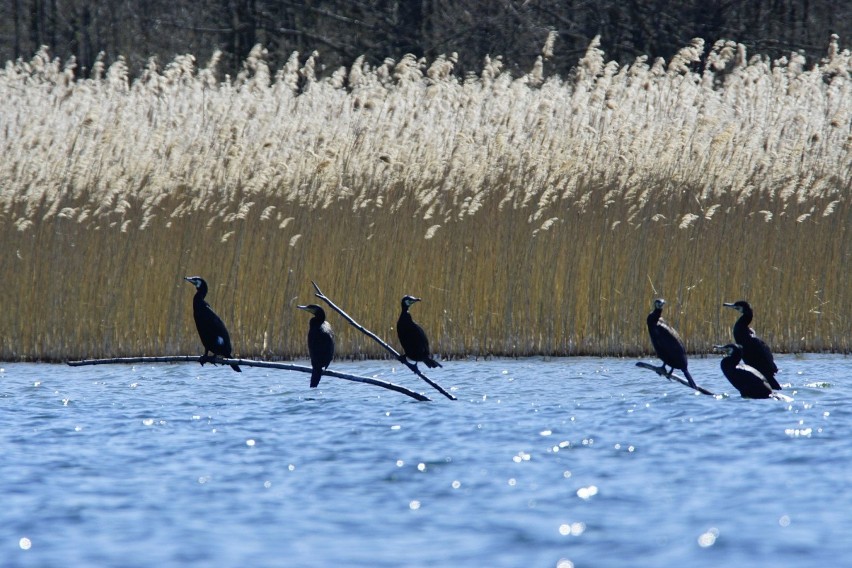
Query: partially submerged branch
point(378, 340)
point(660, 371)
point(251, 363)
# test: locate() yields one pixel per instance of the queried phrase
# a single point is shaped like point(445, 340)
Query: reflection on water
point(557, 462)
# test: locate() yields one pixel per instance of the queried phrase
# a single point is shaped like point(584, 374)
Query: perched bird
point(320, 342)
point(756, 353)
point(745, 379)
point(213, 333)
point(413, 339)
point(667, 342)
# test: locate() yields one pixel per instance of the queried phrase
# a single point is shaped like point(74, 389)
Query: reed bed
point(534, 215)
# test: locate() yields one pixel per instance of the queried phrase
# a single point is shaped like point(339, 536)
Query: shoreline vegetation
point(535, 214)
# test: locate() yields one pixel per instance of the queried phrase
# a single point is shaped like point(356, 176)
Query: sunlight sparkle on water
point(587, 492)
point(25, 543)
point(521, 457)
point(564, 563)
point(250, 443)
point(572, 529)
point(799, 432)
point(708, 538)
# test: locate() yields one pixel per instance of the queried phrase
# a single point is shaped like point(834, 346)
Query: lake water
point(540, 463)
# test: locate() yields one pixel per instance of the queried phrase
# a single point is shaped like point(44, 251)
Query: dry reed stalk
point(534, 215)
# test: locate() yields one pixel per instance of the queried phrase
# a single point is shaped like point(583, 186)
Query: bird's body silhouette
point(212, 331)
point(667, 342)
point(755, 351)
point(745, 378)
point(413, 339)
point(320, 342)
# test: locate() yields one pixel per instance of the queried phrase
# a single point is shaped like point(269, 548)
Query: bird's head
point(314, 309)
point(728, 349)
point(408, 301)
point(196, 281)
point(659, 303)
point(741, 306)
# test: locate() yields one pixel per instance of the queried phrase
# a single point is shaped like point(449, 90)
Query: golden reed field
point(533, 214)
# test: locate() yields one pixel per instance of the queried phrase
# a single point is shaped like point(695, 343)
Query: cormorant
point(667, 342)
point(213, 333)
point(320, 342)
point(413, 339)
point(756, 353)
point(745, 379)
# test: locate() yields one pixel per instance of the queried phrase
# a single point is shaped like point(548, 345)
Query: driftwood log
point(250, 363)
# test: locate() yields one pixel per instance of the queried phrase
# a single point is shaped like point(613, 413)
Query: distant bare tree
point(342, 30)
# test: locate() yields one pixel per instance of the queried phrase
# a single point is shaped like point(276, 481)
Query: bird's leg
point(203, 358)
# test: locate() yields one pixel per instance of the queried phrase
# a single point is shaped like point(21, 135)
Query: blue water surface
point(540, 462)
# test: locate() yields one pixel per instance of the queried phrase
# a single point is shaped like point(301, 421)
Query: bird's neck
point(733, 359)
point(198, 299)
point(745, 319)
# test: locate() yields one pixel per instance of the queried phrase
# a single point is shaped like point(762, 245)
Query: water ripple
point(538, 462)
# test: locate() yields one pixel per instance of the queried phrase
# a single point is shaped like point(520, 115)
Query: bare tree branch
point(660, 371)
point(378, 340)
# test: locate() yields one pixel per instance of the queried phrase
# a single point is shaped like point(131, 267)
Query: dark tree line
point(342, 30)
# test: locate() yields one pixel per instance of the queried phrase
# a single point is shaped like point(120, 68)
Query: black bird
point(413, 339)
point(320, 342)
point(756, 352)
point(745, 379)
point(213, 333)
point(667, 342)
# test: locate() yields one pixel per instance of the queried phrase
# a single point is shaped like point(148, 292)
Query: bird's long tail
point(773, 382)
point(689, 378)
point(236, 368)
point(316, 375)
point(431, 363)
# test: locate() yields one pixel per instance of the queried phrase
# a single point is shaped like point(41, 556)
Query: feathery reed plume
point(534, 210)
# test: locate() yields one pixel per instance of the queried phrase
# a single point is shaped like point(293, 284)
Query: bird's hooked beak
point(307, 309)
point(732, 305)
point(192, 280)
